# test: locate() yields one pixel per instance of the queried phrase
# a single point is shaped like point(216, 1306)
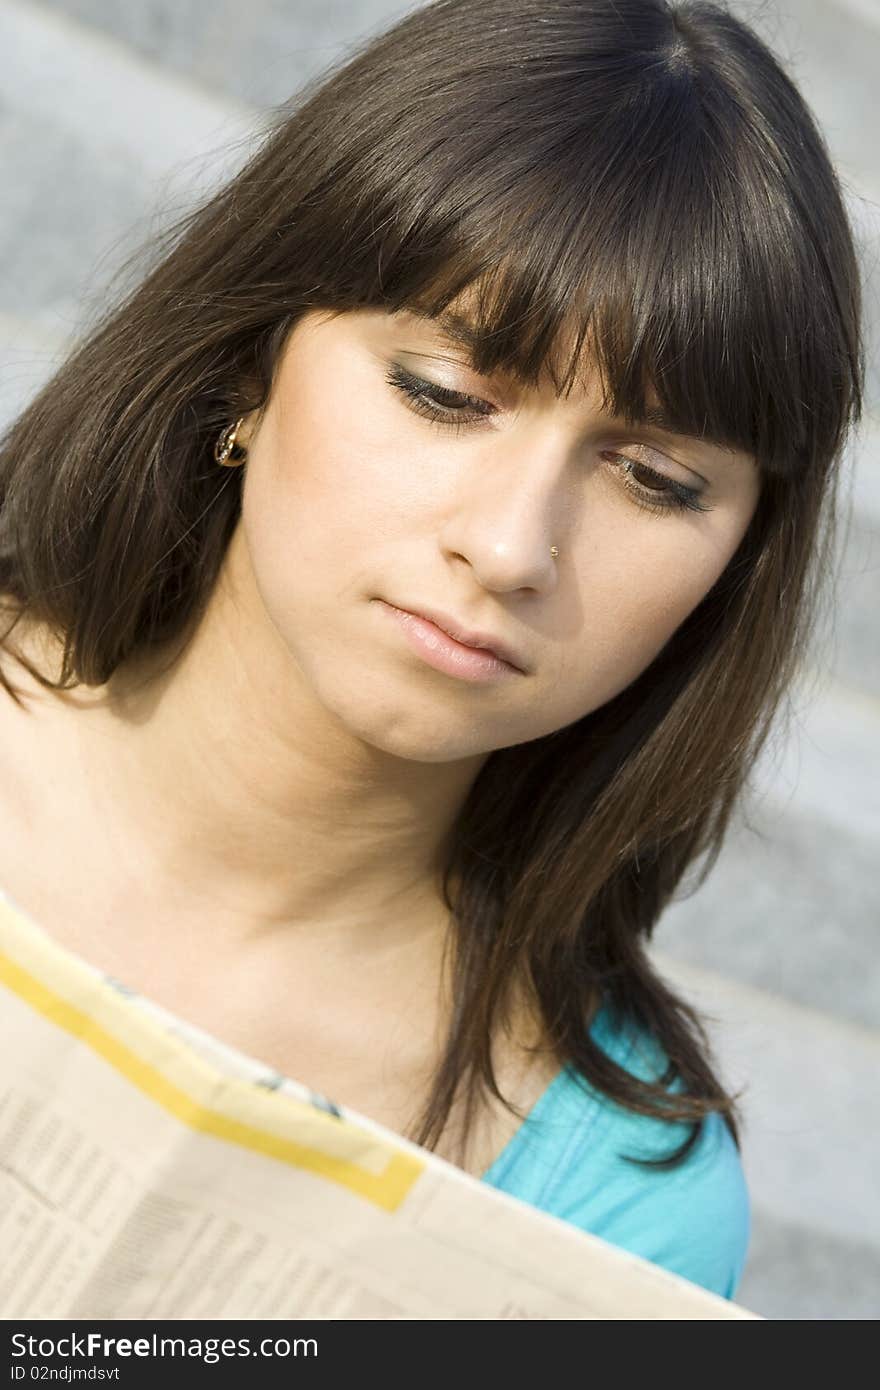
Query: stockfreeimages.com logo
point(207, 1349)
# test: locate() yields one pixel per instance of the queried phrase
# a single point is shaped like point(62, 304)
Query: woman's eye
point(438, 403)
point(654, 490)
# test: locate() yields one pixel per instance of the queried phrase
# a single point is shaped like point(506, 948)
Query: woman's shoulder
point(573, 1160)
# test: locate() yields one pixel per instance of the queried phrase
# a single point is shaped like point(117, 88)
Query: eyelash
point(420, 398)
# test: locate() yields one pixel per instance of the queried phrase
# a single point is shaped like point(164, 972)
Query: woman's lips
point(476, 664)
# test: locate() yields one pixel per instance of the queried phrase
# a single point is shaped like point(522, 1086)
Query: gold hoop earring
point(226, 452)
point(553, 551)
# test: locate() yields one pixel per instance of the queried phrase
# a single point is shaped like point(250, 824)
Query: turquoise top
point(565, 1158)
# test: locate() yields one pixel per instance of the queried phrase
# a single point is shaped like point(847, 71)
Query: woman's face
point(358, 508)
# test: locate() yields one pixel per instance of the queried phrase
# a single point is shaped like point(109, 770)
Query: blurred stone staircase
point(113, 116)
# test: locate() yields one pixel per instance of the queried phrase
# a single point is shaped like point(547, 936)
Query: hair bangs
point(650, 242)
point(645, 306)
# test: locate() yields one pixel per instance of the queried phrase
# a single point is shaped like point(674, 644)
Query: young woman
point(402, 579)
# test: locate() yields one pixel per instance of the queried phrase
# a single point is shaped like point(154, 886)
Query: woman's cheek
point(630, 621)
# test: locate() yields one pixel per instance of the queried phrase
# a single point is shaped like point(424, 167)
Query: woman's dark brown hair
point(637, 180)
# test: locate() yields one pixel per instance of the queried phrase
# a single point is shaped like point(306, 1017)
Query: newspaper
point(149, 1171)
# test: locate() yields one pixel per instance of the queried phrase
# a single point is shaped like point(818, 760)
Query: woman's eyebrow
point(655, 417)
point(451, 325)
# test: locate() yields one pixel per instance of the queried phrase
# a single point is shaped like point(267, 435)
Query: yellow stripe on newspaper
point(386, 1189)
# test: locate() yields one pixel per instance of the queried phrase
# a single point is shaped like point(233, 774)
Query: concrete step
point(105, 91)
point(259, 53)
point(793, 903)
point(811, 1108)
point(97, 149)
point(852, 648)
point(794, 1272)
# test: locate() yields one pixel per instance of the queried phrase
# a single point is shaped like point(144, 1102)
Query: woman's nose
point(508, 515)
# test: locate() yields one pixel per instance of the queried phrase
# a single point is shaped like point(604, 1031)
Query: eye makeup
point(653, 490)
